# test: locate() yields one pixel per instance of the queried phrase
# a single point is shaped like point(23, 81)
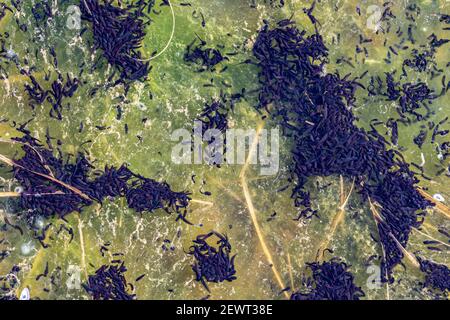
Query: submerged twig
point(439, 205)
point(291, 277)
point(376, 216)
point(231, 193)
point(337, 220)
point(11, 194)
point(378, 219)
point(252, 211)
point(33, 148)
point(12, 163)
point(208, 203)
point(432, 238)
point(83, 253)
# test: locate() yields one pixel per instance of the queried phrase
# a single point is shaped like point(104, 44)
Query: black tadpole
point(330, 280)
point(327, 141)
point(44, 197)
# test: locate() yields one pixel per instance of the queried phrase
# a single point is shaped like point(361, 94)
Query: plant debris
point(55, 185)
point(119, 32)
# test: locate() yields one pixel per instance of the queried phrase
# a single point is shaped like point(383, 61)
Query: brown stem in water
point(9, 194)
point(439, 205)
point(430, 237)
point(83, 253)
point(406, 253)
point(337, 220)
point(33, 148)
point(46, 176)
point(291, 277)
point(252, 211)
point(208, 203)
point(375, 216)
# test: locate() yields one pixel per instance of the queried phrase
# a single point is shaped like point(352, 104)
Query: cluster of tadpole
point(330, 281)
point(315, 108)
point(437, 276)
point(410, 96)
point(119, 32)
point(207, 58)
point(213, 264)
point(42, 11)
point(58, 185)
point(59, 90)
point(109, 283)
point(420, 60)
point(214, 116)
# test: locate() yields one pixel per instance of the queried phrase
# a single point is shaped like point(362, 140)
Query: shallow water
point(178, 97)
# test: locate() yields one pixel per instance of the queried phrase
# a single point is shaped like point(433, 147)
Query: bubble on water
point(18, 189)
point(27, 248)
point(10, 54)
point(39, 223)
point(438, 197)
point(25, 294)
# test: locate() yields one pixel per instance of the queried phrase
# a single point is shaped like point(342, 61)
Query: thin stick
point(231, 193)
point(439, 205)
point(252, 211)
point(375, 215)
point(344, 204)
point(291, 277)
point(266, 251)
point(405, 252)
point(83, 253)
point(65, 185)
point(341, 183)
point(87, 7)
point(208, 203)
point(409, 255)
point(428, 236)
point(251, 150)
point(337, 220)
point(9, 194)
point(33, 148)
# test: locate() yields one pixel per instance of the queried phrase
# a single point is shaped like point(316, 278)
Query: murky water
point(178, 96)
